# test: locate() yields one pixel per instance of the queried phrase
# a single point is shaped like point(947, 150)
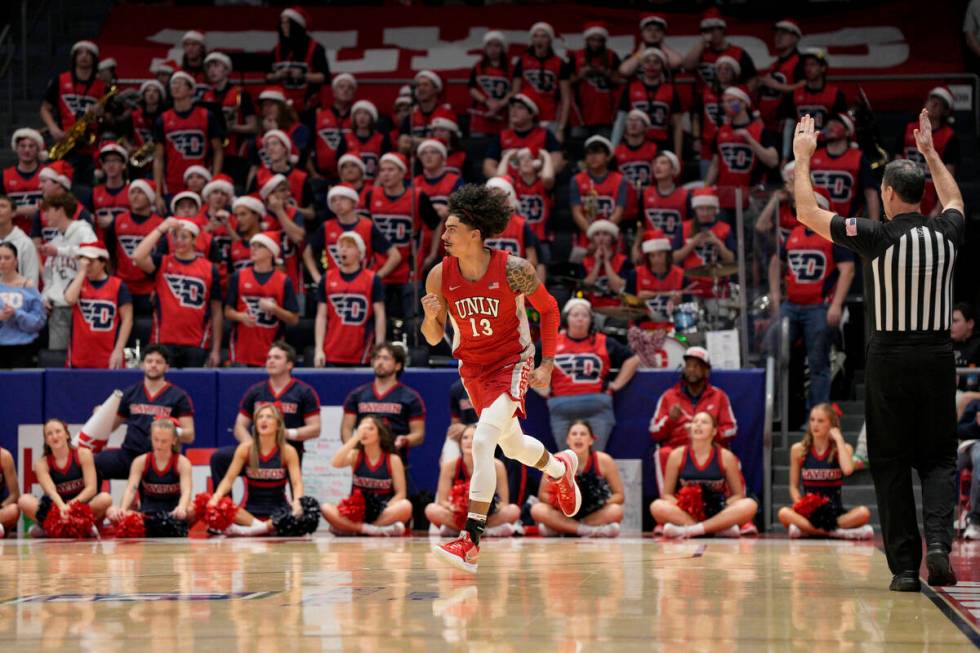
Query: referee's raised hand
point(923, 135)
point(804, 139)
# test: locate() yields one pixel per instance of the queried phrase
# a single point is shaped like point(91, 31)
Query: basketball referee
point(910, 383)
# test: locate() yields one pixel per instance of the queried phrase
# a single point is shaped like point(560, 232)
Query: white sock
point(396, 528)
point(584, 530)
point(555, 468)
point(258, 527)
point(731, 531)
point(695, 530)
point(369, 529)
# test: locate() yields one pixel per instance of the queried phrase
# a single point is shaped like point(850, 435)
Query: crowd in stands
point(216, 219)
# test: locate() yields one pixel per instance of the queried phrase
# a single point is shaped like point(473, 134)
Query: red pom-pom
point(76, 524)
point(130, 526)
point(690, 500)
point(201, 504)
point(217, 517)
point(808, 503)
point(353, 507)
point(459, 499)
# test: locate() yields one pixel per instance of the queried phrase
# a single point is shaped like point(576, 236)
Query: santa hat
point(735, 91)
point(600, 226)
point(195, 36)
point(220, 57)
point(269, 240)
point(444, 123)
point(731, 61)
point(397, 158)
point(93, 249)
point(280, 136)
point(59, 171)
point(220, 182)
point(495, 35)
point(596, 28)
point(298, 15)
point(85, 45)
point(180, 74)
point(655, 52)
point(27, 132)
point(543, 26)
point(843, 119)
point(711, 19)
point(823, 197)
point(659, 243)
point(675, 163)
point(112, 147)
point(640, 115)
point(431, 76)
point(576, 301)
point(943, 94)
point(106, 64)
point(251, 203)
point(365, 105)
point(343, 77)
point(342, 190)
point(185, 195)
point(522, 98)
point(152, 83)
point(433, 144)
point(647, 19)
point(188, 225)
point(145, 186)
point(167, 66)
point(353, 159)
point(272, 183)
point(273, 93)
point(704, 197)
point(404, 95)
point(197, 170)
point(789, 25)
point(817, 53)
point(599, 140)
point(787, 169)
point(358, 241)
point(503, 184)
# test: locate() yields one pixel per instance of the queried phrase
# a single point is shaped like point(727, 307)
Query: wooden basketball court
point(354, 594)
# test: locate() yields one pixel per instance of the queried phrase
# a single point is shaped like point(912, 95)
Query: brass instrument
point(590, 205)
point(144, 155)
point(81, 127)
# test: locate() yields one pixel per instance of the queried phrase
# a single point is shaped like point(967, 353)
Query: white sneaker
point(794, 532)
point(732, 531)
point(673, 531)
point(393, 530)
point(972, 532)
point(610, 530)
point(95, 532)
point(503, 530)
point(544, 531)
point(518, 528)
point(36, 532)
point(865, 532)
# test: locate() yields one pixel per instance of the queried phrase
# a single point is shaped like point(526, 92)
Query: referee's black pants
point(910, 397)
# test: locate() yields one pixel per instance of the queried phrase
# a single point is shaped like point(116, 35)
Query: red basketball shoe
point(460, 553)
point(569, 496)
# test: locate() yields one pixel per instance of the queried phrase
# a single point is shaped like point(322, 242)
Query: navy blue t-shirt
point(399, 406)
point(297, 401)
point(140, 410)
point(460, 405)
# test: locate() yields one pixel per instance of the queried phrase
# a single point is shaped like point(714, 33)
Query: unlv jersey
point(736, 161)
point(513, 239)
point(544, 76)
point(95, 320)
point(110, 202)
point(594, 94)
point(659, 102)
point(393, 215)
point(331, 128)
point(940, 138)
point(349, 300)
point(369, 149)
point(23, 190)
point(840, 176)
point(182, 306)
point(818, 103)
point(186, 141)
point(581, 366)
point(665, 212)
point(250, 345)
point(534, 205)
point(495, 84)
point(490, 328)
point(811, 266)
point(602, 281)
point(785, 70)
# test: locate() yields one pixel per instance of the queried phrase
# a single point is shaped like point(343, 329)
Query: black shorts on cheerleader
point(44, 506)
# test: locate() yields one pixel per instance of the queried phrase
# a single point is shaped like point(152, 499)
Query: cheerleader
point(823, 459)
point(67, 476)
point(377, 503)
point(602, 492)
point(703, 489)
point(270, 464)
point(9, 494)
point(449, 509)
point(162, 477)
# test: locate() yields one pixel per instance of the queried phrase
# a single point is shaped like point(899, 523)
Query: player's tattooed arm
point(521, 276)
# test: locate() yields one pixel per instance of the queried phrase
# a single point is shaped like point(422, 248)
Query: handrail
point(743, 314)
point(767, 444)
point(784, 379)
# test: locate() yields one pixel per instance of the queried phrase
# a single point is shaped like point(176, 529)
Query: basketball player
point(482, 291)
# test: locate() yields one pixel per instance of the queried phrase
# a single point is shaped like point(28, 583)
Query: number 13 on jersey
point(483, 326)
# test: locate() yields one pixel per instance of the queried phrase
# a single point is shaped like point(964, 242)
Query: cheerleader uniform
point(710, 477)
point(69, 481)
point(593, 486)
point(160, 488)
point(266, 486)
point(824, 477)
point(375, 483)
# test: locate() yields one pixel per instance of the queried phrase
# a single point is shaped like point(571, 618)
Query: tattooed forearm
point(521, 275)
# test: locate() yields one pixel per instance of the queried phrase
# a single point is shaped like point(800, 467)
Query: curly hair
point(479, 207)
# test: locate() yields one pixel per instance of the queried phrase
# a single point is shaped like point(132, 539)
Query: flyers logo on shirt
point(77, 104)
point(262, 319)
point(738, 156)
point(580, 368)
point(839, 184)
point(330, 136)
point(99, 314)
point(190, 292)
point(532, 208)
point(129, 243)
point(352, 309)
point(807, 266)
point(396, 228)
point(190, 143)
point(543, 81)
point(509, 245)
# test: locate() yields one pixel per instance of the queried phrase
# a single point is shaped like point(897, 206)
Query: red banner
point(393, 43)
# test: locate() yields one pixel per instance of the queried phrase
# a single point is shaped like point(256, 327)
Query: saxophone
point(81, 127)
point(143, 155)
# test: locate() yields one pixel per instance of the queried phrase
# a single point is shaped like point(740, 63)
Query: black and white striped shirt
point(908, 269)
